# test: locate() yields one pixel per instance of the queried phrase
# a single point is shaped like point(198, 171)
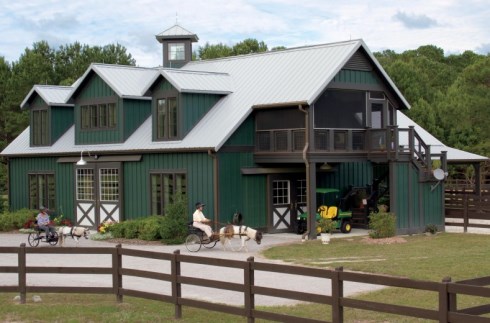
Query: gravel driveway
point(286, 281)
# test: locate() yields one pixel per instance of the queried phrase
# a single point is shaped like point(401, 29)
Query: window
point(85, 184)
point(164, 188)
point(377, 115)
point(176, 52)
point(341, 109)
point(40, 127)
point(280, 192)
point(98, 116)
point(167, 118)
point(109, 184)
point(42, 191)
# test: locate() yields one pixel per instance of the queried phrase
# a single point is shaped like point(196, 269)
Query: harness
point(244, 232)
point(75, 235)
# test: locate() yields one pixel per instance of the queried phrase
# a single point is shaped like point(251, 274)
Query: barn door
point(97, 196)
point(288, 199)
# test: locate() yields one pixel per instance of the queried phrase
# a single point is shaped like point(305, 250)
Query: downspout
point(212, 154)
point(307, 171)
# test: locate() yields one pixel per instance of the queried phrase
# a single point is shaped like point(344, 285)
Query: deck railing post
point(176, 286)
point(116, 273)
point(337, 294)
point(248, 282)
point(465, 212)
point(22, 272)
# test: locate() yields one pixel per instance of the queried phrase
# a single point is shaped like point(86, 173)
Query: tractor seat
point(332, 212)
point(322, 210)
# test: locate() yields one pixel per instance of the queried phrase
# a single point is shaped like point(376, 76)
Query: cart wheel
point(210, 245)
point(54, 240)
point(193, 242)
point(346, 227)
point(33, 239)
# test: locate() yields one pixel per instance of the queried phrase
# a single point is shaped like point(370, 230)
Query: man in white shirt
point(200, 221)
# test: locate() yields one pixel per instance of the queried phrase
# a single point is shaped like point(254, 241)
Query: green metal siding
point(246, 194)
point(61, 120)
point(356, 77)
point(353, 173)
point(416, 205)
point(193, 107)
point(244, 135)
point(135, 112)
point(19, 168)
point(199, 173)
point(96, 89)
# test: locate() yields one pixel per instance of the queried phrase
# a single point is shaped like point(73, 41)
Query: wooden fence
point(444, 310)
point(464, 209)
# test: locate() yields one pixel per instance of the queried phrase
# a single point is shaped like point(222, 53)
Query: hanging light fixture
point(326, 166)
point(82, 162)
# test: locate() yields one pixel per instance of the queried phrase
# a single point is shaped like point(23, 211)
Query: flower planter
point(325, 238)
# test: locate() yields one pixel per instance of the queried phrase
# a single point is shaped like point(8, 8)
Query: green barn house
point(253, 133)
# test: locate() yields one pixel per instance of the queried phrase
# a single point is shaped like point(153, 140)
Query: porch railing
point(391, 140)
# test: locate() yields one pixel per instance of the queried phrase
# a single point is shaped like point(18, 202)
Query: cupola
point(177, 46)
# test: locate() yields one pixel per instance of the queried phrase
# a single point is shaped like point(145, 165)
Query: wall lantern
point(82, 162)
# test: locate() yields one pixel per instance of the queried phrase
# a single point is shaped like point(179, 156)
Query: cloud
point(412, 21)
point(483, 49)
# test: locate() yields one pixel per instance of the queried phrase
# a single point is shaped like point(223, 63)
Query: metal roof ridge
point(275, 52)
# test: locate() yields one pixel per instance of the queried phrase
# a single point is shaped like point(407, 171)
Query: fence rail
point(444, 310)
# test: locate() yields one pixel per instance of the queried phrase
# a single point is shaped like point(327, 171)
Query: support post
point(447, 301)
point(337, 294)
point(249, 281)
point(116, 273)
point(22, 272)
point(176, 286)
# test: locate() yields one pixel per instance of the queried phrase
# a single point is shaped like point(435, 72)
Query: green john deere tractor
point(329, 208)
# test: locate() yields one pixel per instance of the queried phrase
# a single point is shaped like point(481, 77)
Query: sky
point(453, 25)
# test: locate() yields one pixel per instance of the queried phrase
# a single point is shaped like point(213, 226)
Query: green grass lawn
point(460, 256)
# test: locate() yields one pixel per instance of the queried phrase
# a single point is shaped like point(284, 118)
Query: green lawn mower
point(329, 208)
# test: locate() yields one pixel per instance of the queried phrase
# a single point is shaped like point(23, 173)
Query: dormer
point(177, 46)
point(50, 115)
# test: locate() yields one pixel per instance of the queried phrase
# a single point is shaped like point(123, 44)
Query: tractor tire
point(346, 227)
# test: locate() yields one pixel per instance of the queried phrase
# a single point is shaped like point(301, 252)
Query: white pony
point(75, 232)
point(241, 231)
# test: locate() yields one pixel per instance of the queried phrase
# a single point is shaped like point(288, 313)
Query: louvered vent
point(358, 62)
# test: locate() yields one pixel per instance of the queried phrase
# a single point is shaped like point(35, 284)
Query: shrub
point(382, 225)
point(431, 228)
point(16, 220)
point(174, 225)
point(126, 229)
point(149, 228)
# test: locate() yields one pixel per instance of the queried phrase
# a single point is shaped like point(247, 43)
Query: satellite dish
point(439, 174)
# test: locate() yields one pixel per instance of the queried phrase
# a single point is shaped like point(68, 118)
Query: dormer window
point(98, 116)
point(40, 128)
point(176, 51)
point(167, 118)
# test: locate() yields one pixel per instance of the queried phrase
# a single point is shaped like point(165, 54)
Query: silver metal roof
point(177, 31)
point(436, 146)
point(297, 75)
point(52, 95)
point(198, 82)
point(127, 81)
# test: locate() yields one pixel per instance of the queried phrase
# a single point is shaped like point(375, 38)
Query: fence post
point(116, 273)
point(337, 294)
point(22, 272)
point(465, 213)
point(176, 286)
point(447, 301)
point(249, 281)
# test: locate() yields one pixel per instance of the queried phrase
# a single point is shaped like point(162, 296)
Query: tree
point(214, 51)
point(249, 46)
point(246, 46)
